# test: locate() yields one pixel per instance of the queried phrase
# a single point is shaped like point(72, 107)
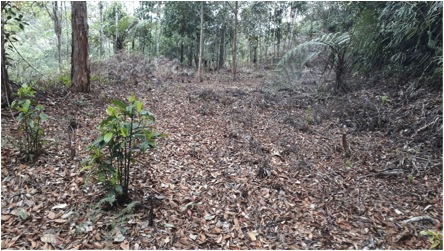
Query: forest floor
point(246, 165)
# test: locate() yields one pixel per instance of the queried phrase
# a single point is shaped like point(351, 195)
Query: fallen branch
point(418, 218)
point(426, 127)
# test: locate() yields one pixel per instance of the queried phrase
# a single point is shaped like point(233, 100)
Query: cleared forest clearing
point(246, 165)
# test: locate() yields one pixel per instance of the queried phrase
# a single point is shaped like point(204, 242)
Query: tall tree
point(55, 15)
point(80, 79)
point(101, 28)
point(235, 40)
point(6, 86)
point(199, 68)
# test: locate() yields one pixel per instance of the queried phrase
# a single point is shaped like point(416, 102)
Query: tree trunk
point(54, 14)
point(101, 28)
point(221, 49)
point(234, 40)
point(6, 86)
point(199, 68)
point(58, 32)
point(255, 45)
point(181, 50)
point(80, 80)
point(190, 54)
point(119, 39)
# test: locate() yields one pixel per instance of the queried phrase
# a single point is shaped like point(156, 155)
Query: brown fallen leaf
point(216, 230)
point(124, 245)
point(236, 224)
point(98, 245)
point(51, 215)
point(6, 217)
point(49, 238)
point(252, 236)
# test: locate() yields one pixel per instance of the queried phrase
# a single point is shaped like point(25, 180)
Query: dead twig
point(418, 218)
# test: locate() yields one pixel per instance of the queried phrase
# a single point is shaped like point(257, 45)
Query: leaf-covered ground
point(244, 166)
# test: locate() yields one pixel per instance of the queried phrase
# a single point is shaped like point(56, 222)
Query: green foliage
point(118, 31)
point(293, 62)
point(126, 133)
point(435, 239)
point(12, 22)
point(384, 99)
point(366, 45)
point(29, 120)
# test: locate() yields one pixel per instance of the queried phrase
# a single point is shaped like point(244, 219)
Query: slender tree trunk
point(102, 51)
point(234, 41)
point(118, 45)
point(80, 80)
point(181, 50)
point(221, 48)
point(190, 54)
point(159, 32)
point(54, 14)
point(6, 86)
point(68, 44)
point(58, 32)
point(255, 45)
point(199, 68)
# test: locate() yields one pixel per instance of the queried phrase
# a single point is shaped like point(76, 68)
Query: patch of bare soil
point(244, 166)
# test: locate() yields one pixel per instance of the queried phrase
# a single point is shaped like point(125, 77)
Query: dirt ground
point(247, 164)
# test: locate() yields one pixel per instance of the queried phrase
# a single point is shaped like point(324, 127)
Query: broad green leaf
point(123, 131)
point(111, 111)
point(138, 106)
point(43, 116)
point(129, 109)
point(131, 99)
point(118, 189)
point(107, 137)
point(26, 105)
point(119, 104)
point(23, 214)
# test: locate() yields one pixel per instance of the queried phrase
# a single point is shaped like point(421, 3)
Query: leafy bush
point(124, 135)
point(29, 122)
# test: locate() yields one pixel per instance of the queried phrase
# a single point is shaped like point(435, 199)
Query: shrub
point(126, 133)
point(29, 122)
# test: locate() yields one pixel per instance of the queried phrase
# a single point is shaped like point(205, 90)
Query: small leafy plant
point(435, 239)
point(126, 133)
point(29, 120)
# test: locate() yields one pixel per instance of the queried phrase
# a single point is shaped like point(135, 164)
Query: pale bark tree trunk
point(80, 80)
point(221, 48)
point(199, 68)
point(66, 23)
point(54, 13)
point(102, 51)
point(58, 31)
point(234, 41)
point(117, 44)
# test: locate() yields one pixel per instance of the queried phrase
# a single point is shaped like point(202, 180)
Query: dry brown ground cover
point(244, 166)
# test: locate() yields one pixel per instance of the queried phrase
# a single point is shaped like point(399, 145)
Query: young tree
point(235, 40)
point(199, 68)
point(79, 56)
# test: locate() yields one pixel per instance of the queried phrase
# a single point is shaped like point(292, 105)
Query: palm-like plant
point(293, 62)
